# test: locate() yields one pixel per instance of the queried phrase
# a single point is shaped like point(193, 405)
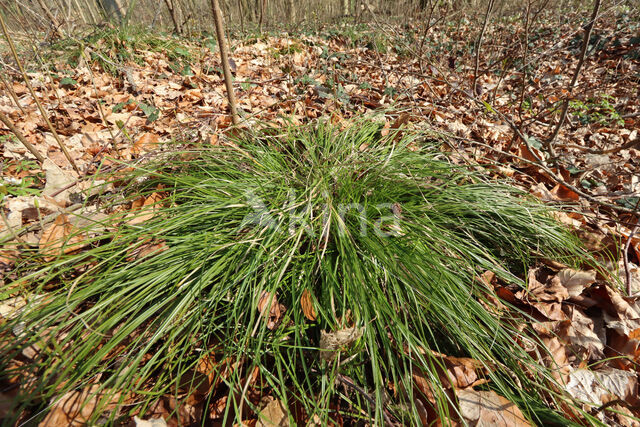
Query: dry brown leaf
point(269, 301)
point(544, 294)
point(331, 342)
point(60, 237)
point(602, 386)
point(217, 408)
point(307, 305)
point(492, 304)
point(575, 280)
point(461, 372)
point(580, 333)
point(273, 415)
point(147, 142)
point(556, 355)
point(7, 258)
point(563, 193)
point(487, 408)
point(144, 208)
point(152, 422)
point(75, 407)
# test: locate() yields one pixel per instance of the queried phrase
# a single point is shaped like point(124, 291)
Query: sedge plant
point(258, 252)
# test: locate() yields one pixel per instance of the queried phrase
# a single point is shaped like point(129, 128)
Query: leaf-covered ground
point(114, 99)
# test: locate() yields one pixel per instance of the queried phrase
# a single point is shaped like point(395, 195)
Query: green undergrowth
point(381, 234)
point(112, 47)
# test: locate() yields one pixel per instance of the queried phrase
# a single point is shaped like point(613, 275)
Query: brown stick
point(12, 92)
point(35, 98)
point(173, 12)
point(222, 45)
point(625, 255)
point(4, 119)
point(478, 45)
point(574, 79)
point(52, 19)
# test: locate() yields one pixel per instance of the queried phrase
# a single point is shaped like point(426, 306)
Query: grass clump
point(115, 47)
point(376, 239)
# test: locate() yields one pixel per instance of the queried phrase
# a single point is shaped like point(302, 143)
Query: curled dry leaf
point(620, 314)
point(453, 373)
point(598, 387)
point(544, 294)
point(492, 304)
point(76, 407)
point(487, 408)
point(331, 342)
point(269, 301)
point(56, 180)
point(152, 422)
point(60, 237)
point(458, 372)
point(556, 354)
point(307, 305)
point(581, 334)
point(146, 142)
point(575, 280)
point(143, 209)
point(563, 193)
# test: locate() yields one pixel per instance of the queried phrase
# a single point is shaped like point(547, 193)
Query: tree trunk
point(174, 12)
point(112, 9)
point(291, 11)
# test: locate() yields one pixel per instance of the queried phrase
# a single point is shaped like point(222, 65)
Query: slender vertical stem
point(479, 44)
point(35, 98)
point(52, 19)
point(222, 45)
point(625, 256)
point(574, 79)
point(241, 13)
point(12, 92)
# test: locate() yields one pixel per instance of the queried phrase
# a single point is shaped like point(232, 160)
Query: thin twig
point(27, 82)
point(574, 79)
point(12, 92)
point(625, 254)
point(349, 382)
point(47, 219)
point(629, 144)
point(479, 45)
point(617, 402)
point(9, 227)
point(4, 119)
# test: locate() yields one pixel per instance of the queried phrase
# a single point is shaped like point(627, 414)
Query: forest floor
point(141, 93)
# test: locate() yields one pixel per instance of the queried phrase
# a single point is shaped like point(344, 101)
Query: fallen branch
point(629, 144)
point(38, 225)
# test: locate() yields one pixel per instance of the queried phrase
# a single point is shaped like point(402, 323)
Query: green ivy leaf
point(68, 82)
point(150, 111)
